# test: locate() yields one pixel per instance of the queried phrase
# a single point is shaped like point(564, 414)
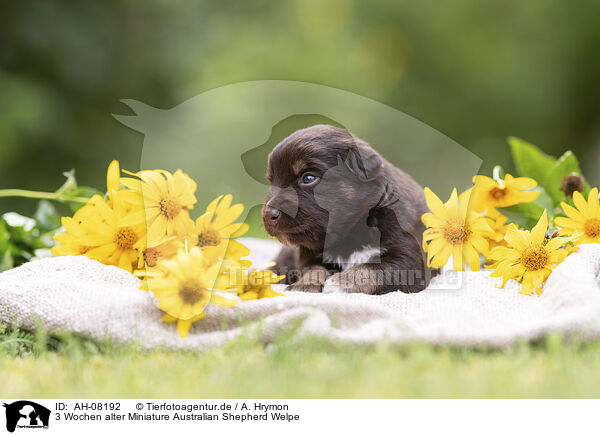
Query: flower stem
point(57, 196)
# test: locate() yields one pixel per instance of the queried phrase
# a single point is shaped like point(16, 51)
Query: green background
point(476, 71)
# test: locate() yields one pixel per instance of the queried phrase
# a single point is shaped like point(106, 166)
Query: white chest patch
point(365, 255)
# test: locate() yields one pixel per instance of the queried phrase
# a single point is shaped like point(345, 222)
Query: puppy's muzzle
point(284, 200)
point(271, 216)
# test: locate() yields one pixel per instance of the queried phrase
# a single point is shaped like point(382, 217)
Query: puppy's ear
point(364, 163)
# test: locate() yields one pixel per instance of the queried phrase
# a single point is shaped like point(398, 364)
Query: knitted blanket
point(82, 296)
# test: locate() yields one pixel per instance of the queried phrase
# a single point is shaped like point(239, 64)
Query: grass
point(41, 366)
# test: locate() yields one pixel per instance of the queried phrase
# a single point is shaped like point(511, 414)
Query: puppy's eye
point(308, 179)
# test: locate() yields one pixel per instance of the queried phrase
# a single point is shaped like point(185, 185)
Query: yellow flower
point(111, 241)
point(530, 257)
point(68, 245)
point(257, 284)
point(453, 229)
point(498, 224)
point(166, 199)
point(97, 231)
point(113, 177)
point(234, 251)
point(584, 220)
point(153, 252)
point(113, 185)
point(185, 284)
point(218, 223)
point(70, 240)
point(489, 193)
point(183, 326)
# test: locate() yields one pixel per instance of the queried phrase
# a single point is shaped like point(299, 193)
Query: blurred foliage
point(22, 238)
point(476, 71)
point(548, 171)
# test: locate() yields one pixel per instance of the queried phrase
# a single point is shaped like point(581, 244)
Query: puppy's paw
point(304, 287)
point(312, 281)
point(354, 280)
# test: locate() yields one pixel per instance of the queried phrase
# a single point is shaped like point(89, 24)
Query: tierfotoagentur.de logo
point(24, 414)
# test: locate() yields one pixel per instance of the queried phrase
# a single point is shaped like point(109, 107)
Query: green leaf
point(544, 200)
point(44, 241)
point(46, 216)
point(524, 215)
point(19, 234)
point(20, 240)
point(529, 159)
point(567, 164)
point(4, 236)
point(6, 262)
point(85, 192)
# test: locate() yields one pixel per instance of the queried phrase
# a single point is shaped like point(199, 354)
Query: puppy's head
point(319, 175)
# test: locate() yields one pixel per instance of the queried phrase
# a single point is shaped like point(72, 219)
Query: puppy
point(350, 220)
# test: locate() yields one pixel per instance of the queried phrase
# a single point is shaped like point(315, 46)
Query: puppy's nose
point(271, 215)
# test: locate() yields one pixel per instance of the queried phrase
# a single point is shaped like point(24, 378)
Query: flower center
point(170, 208)
point(534, 258)
point(125, 238)
point(456, 232)
point(571, 183)
point(191, 292)
point(151, 256)
point(498, 193)
point(592, 228)
point(209, 237)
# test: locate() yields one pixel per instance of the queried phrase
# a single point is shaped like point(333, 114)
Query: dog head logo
point(207, 136)
point(26, 414)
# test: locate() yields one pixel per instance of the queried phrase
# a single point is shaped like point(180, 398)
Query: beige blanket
point(85, 297)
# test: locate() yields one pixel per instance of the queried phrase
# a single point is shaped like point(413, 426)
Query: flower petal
point(517, 239)
point(183, 327)
point(458, 260)
point(580, 203)
point(435, 204)
point(472, 257)
point(538, 233)
point(594, 203)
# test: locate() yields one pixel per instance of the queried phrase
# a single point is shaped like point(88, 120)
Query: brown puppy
point(350, 220)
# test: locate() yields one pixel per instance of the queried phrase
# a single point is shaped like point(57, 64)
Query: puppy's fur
point(350, 220)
